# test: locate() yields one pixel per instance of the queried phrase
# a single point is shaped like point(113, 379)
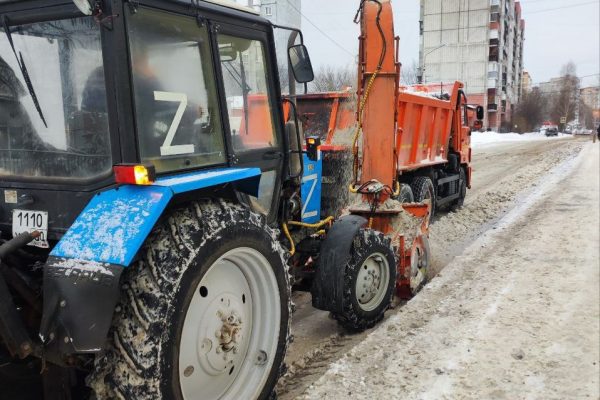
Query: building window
point(268, 11)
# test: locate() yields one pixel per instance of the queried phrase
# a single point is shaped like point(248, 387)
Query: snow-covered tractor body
point(138, 253)
point(147, 163)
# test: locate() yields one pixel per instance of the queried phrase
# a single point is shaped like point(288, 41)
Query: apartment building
point(526, 82)
point(479, 42)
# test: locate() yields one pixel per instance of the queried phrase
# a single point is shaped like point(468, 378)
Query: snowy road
point(429, 334)
point(515, 317)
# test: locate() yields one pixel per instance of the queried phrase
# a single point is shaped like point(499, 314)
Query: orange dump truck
point(432, 143)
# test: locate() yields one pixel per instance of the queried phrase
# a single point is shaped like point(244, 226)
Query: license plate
point(29, 221)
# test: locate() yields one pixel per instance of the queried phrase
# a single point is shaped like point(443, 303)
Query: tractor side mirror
point(300, 63)
point(480, 113)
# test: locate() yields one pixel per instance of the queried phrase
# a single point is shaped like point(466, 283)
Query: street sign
point(563, 120)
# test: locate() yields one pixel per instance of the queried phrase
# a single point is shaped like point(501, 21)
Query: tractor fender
point(328, 283)
point(81, 275)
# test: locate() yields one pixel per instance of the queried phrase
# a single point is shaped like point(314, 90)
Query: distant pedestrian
point(597, 134)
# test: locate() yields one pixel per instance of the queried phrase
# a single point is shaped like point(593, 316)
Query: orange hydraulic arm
point(378, 86)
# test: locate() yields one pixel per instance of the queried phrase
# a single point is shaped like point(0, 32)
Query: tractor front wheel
point(369, 281)
point(204, 313)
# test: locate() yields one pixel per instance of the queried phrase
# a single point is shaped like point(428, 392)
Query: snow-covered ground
point(482, 139)
point(508, 319)
point(502, 174)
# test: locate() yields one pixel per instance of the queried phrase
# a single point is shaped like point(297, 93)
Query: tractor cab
point(174, 84)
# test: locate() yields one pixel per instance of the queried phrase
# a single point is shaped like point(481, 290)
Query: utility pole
point(421, 77)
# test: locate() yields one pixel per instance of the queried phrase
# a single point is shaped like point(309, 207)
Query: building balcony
point(492, 107)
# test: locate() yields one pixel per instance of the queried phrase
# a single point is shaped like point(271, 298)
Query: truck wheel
point(204, 312)
point(369, 281)
point(406, 194)
point(462, 190)
point(423, 189)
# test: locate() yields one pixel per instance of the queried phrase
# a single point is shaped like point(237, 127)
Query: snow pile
point(482, 139)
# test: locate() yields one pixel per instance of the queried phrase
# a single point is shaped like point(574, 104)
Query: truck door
point(253, 117)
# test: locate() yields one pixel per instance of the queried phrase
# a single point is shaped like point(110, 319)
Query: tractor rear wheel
point(369, 281)
point(423, 190)
point(204, 312)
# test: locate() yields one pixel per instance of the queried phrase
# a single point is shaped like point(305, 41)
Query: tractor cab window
point(54, 124)
point(177, 113)
point(244, 70)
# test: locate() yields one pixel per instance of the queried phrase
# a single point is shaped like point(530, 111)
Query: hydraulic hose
point(16, 243)
point(317, 225)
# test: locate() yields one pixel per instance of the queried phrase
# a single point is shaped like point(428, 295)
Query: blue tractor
point(156, 203)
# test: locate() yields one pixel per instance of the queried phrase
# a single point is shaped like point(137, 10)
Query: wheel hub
point(230, 333)
point(371, 281)
point(220, 346)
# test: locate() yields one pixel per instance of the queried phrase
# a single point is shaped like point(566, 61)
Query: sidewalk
point(515, 317)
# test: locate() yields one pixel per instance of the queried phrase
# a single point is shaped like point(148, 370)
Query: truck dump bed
point(424, 126)
point(424, 123)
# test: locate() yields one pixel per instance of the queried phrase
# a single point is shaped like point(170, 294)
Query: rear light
point(135, 174)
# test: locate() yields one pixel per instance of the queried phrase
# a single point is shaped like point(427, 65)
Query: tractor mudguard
point(328, 283)
point(81, 276)
point(79, 300)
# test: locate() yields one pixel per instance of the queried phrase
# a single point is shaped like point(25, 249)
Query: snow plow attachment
point(367, 257)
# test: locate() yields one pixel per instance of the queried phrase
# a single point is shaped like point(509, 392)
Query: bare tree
point(332, 79)
point(531, 110)
point(284, 79)
point(564, 101)
point(409, 74)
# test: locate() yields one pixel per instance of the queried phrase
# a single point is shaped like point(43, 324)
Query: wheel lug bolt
point(188, 371)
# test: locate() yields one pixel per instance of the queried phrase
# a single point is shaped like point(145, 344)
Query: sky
point(556, 31)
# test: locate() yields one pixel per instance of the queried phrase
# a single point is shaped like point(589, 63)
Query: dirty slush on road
point(512, 171)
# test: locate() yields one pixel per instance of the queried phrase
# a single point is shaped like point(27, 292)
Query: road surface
point(506, 177)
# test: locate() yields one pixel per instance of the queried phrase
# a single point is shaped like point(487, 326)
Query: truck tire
point(204, 311)
point(423, 189)
point(406, 194)
point(458, 203)
point(369, 281)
